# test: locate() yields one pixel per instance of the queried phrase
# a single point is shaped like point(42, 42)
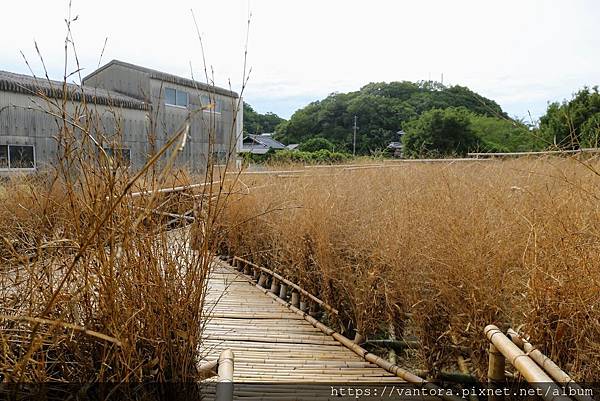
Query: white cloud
point(522, 54)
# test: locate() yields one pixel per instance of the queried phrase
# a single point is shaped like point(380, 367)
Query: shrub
point(440, 132)
point(316, 144)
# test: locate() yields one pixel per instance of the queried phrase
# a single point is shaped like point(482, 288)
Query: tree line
point(436, 120)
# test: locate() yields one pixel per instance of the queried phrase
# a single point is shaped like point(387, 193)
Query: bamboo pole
point(283, 291)
point(295, 299)
point(225, 370)
point(171, 190)
point(496, 366)
point(392, 357)
point(313, 310)
point(291, 284)
point(548, 152)
point(274, 286)
point(262, 280)
point(524, 364)
point(496, 375)
point(208, 369)
point(548, 365)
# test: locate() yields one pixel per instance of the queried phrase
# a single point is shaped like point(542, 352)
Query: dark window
point(21, 156)
point(174, 97)
point(3, 156)
point(122, 156)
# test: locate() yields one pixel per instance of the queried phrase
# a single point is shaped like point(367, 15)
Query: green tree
point(504, 135)
point(440, 132)
point(315, 144)
point(570, 124)
point(256, 123)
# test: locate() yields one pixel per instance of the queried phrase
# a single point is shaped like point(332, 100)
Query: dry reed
point(439, 251)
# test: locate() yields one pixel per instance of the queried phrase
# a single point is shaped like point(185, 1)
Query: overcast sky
point(520, 53)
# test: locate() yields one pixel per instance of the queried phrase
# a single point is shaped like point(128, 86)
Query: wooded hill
point(384, 108)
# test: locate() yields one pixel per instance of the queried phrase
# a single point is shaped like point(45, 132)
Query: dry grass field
point(438, 251)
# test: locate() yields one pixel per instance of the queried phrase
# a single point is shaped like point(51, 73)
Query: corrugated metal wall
point(24, 122)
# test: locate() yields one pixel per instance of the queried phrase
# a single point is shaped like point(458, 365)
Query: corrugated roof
point(267, 141)
point(28, 85)
point(163, 76)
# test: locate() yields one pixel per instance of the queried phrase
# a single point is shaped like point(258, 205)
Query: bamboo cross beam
point(173, 215)
point(525, 365)
point(208, 369)
point(290, 284)
point(548, 365)
point(171, 190)
point(548, 152)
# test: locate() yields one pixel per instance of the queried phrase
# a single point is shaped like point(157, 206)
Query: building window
point(175, 97)
point(17, 157)
point(122, 156)
point(214, 105)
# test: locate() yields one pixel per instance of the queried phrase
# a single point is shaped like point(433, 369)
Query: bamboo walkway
point(273, 344)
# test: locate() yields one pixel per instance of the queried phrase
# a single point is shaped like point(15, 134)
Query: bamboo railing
point(286, 282)
point(223, 368)
point(536, 368)
point(548, 365)
point(258, 276)
point(542, 153)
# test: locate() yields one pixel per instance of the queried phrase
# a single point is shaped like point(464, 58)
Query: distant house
point(397, 147)
point(260, 144)
point(293, 146)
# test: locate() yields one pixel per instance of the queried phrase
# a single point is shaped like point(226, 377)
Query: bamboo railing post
point(247, 270)
point(283, 291)
point(225, 372)
point(292, 285)
point(496, 369)
point(358, 338)
point(274, 286)
point(295, 299)
point(303, 304)
point(256, 274)
point(313, 309)
point(262, 281)
point(392, 357)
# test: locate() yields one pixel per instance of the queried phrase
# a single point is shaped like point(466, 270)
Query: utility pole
point(354, 138)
